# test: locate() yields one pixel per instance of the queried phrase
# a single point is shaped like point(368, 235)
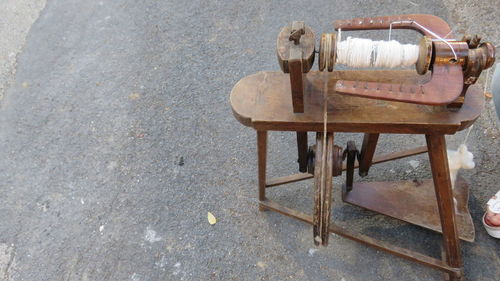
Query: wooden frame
point(262, 101)
point(451, 263)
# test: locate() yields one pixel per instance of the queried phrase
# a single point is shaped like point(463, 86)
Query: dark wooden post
point(367, 152)
point(444, 195)
point(302, 151)
point(296, 79)
point(261, 155)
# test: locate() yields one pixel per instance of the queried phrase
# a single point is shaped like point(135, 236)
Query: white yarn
point(360, 52)
point(428, 31)
point(459, 159)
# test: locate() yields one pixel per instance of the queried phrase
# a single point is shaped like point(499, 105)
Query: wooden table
point(262, 101)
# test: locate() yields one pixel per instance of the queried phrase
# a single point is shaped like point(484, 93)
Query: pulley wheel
point(327, 51)
point(337, 160)
point(424, 55)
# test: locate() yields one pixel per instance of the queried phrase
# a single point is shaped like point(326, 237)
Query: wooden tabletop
point(263, 101)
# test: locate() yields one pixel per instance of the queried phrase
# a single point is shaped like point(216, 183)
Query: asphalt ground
point(117, 138)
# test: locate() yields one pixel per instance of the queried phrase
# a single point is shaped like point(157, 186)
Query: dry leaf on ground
point(211, 218)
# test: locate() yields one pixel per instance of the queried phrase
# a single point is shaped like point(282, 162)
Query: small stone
point(414, 163)
point(134, 96)
point(261, 264)
point(312, 251)
point(318, 239)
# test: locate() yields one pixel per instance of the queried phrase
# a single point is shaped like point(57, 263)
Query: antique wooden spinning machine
point(434, 101)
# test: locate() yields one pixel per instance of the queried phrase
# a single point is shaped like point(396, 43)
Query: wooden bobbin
point(327, 51)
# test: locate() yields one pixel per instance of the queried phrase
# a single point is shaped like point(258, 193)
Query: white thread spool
point(359, 52)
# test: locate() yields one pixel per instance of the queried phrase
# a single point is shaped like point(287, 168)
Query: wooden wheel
point(322, 187)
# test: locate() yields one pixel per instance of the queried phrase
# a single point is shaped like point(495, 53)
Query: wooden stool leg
point(367, 152)
point(444, 195)
point(261, 155)
point(302, 151)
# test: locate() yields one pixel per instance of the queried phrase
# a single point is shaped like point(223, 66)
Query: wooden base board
point(413, 202)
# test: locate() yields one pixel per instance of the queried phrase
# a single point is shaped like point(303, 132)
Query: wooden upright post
point(302, 151)
point(262, 158)
point(296, 79)
point(444, 195)
point(367, 152)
